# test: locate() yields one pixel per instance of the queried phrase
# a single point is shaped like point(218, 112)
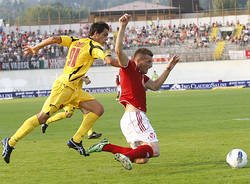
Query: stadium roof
point(136, 6)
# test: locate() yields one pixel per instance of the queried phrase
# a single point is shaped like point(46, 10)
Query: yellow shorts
point(62, 95)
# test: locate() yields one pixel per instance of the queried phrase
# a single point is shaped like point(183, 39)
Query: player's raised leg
point(104, 145)
point(125, 155)
point(56, 117)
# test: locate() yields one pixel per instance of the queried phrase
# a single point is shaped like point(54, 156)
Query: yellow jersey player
point(65, 90)
point(68, 112)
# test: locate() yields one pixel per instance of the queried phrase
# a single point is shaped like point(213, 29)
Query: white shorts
point(136, 127)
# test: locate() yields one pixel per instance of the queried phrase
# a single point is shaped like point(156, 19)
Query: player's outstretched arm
point(122, 57)
point(28, 50)
point(112, 61)
point(156, 84)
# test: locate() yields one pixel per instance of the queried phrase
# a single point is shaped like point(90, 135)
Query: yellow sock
point(90, 132)
point(29, 125)
point(87, 123)
point(56, 117)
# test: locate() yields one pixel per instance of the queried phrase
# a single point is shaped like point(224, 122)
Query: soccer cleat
point(98, 147)
point(44, 127)
point(7, 149)
point(95, 135)
point(77, 146)
point(125, 161)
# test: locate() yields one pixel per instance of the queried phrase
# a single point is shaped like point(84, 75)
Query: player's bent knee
point(92, 106)
point(42, 117)
point(99, 111)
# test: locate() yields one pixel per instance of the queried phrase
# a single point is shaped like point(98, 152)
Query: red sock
point(115, 149)
point(143, 151)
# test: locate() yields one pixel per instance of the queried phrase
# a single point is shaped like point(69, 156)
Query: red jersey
point(132, 83)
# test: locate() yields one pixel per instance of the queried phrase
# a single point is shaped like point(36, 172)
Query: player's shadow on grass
point(194, 166)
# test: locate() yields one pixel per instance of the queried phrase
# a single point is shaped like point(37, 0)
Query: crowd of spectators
point(11, 46)
point(192, 36)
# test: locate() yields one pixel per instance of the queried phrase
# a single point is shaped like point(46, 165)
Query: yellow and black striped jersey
point(81, 55)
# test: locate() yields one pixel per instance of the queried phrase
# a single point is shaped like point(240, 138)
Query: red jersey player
point(135, 125)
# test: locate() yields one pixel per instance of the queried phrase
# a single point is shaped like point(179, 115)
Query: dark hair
point(99, 27)
point(143, 51)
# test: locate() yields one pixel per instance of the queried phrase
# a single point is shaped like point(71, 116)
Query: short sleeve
point(67, 40)
point(98, 53)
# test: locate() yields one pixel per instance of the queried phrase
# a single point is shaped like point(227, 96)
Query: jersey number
point(73, 56)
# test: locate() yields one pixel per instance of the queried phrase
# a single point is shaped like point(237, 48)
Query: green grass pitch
point(196, 129)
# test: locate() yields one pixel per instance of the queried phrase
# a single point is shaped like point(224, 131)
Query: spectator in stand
point(12, 57)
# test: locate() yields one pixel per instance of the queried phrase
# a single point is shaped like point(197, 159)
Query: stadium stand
point(205, 42)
